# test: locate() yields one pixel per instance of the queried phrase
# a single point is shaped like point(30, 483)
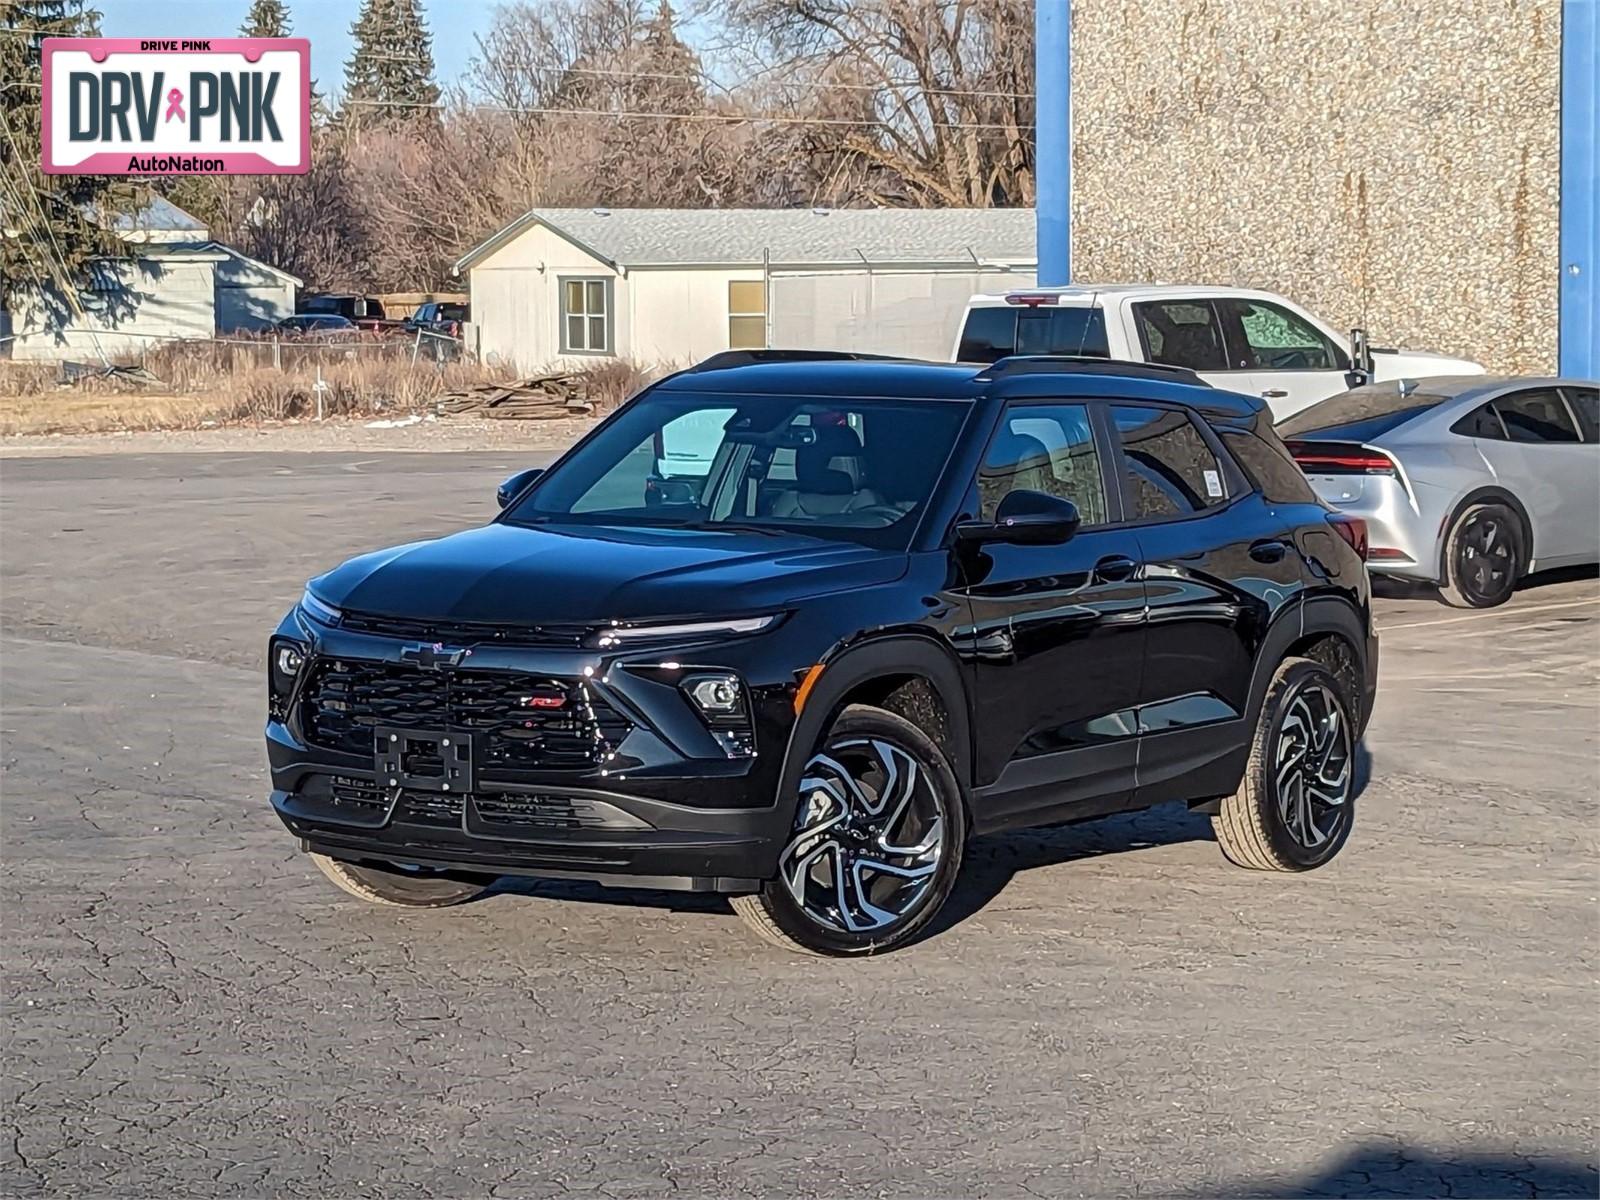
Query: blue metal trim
point(1053, 139)
point(1580, 189)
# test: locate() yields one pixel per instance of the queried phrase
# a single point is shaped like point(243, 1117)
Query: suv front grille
point(466, 632)
point(509, 713)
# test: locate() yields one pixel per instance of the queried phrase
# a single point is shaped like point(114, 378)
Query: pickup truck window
point(1276, 339)
point(994, 332)
point(1181, 333)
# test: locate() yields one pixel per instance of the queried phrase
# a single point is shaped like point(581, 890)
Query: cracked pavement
point(1109, 1009)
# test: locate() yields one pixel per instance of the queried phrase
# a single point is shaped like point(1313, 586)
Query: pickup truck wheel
point(878, 835)
point(1295, 806)
point(399, 888)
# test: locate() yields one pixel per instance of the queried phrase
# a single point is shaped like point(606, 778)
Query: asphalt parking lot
point(191, 1009)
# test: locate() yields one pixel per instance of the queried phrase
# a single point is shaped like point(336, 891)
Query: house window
point(747, 315)
point(586, 316)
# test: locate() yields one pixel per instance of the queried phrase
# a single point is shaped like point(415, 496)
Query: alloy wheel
point(1312, 767)
point(869, 836)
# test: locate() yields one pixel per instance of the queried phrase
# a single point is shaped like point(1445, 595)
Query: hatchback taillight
point(1340, 458)
point(1352, 530)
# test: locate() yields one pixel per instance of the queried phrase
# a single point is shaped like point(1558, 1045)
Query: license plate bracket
point(423, 760)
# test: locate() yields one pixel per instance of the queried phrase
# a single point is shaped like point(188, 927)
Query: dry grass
point(237, 383)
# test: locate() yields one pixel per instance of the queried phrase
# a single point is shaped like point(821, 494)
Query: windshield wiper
point(735, 527)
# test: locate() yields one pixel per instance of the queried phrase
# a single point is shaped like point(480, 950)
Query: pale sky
point(453, 23)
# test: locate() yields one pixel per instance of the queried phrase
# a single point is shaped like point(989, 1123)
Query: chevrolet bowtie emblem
point(433, 657)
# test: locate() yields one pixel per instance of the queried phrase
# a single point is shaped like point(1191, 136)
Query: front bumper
point(660, 803)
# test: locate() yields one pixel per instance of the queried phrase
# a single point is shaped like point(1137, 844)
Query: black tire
point(1484, 555)
point(840, 842)
point(1268, 825)
point(399, 889)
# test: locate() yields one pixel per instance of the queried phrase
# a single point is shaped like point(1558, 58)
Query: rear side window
point(1171, 469)
point(1182, 333)
point(1536, 415)
point(1270, 467)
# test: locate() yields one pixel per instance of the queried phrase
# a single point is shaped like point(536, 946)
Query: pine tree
point(266, 19)
point(390, 74)
point(51, 226)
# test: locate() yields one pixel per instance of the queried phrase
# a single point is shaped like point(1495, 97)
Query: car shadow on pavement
point(1384, 1168)
point(1390, 587)
point(993, 861)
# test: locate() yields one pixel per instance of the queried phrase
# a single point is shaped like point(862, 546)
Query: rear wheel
point(876, 844)
point(399, 887)
point(1295, 806)
point(1483, 556)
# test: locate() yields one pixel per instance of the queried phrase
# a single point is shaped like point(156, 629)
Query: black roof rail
point(1083, 364)
point(744, 358)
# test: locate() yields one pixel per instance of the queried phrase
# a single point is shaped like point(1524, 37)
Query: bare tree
point(943, 89)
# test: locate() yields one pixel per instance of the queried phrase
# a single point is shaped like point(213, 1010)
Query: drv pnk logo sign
point(158, 106)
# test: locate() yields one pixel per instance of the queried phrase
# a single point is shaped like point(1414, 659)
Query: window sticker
point(1213, 485)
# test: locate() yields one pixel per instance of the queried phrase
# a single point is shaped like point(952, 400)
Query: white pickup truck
point(1234, 338)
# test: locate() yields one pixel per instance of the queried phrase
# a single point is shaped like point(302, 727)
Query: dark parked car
point(318, 327)
point(905, 604)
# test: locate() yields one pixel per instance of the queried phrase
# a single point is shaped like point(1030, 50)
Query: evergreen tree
point(266, 19)
point(390, 74)
point(51, 226)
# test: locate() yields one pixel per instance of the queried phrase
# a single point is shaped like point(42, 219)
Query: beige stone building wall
point(1392, 163)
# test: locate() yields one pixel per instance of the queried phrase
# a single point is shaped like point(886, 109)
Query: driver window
point(1044, 448)
point(1279, 340)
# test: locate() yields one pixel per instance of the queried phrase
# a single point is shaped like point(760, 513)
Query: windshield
point(854, 470)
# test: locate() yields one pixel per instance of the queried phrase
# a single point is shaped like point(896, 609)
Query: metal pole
point(1579, 337)
point(1053, 145)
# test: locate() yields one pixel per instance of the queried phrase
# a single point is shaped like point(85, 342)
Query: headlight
point(619, 635)
point(318, 610)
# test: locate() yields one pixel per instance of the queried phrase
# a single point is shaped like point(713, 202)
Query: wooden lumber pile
point(540, 398)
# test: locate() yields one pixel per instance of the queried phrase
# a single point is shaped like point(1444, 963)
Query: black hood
point(512, 574)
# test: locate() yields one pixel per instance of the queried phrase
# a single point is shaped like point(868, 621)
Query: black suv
point(794, 627)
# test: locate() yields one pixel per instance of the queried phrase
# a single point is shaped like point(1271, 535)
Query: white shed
point(673, 286)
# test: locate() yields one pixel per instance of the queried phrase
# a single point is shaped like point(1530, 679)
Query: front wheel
point(399, 887)
point(1295, 806)
point(878, 835)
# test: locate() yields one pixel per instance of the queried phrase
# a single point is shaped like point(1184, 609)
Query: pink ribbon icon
point(175, 105)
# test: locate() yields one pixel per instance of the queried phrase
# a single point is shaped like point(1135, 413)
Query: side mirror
point(1361, 370)
point(513, 485)
point(1026, 518)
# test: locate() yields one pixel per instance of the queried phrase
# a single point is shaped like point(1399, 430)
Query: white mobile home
point(673, 286)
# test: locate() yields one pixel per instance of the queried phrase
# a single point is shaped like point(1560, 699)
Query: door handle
point(1274, 394)
point(1115, 568)
point(1268, 551)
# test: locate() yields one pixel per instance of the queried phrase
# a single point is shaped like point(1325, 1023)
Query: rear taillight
point(1340, 458)
point(1352, 530)
point(1032, 299)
